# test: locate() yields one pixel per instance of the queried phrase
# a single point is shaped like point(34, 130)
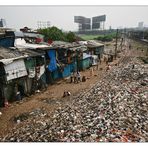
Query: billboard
point(87, 20)
point(81, 20)
point(95, 25)
point(86, 27)
point(85, 23)
point(98, 19)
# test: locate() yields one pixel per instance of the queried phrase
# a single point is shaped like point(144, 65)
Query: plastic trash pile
point(114, 110)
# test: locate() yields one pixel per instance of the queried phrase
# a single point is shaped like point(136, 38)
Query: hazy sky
point(63, 16)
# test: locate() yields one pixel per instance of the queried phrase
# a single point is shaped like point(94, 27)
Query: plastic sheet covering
point(31, 72)
point(7, 42)
point(52, 65)
point(42, 70)
point(15, 70)
point(85, 55)
point(21, 43)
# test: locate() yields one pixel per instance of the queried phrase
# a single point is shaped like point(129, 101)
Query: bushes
point(106, 38)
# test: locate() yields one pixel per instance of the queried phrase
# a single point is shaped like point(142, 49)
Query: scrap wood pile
point(113, 110)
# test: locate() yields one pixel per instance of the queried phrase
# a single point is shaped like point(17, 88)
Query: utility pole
point(143, 35)
point(122, 40)
point(116, 44)
point(124, 35)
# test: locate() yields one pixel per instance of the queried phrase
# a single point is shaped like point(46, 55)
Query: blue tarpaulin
point(52, 65)
point(7, 42)
point(73, 67)
point(66, 72)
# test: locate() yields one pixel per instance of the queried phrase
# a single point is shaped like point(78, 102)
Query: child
point(78, 77)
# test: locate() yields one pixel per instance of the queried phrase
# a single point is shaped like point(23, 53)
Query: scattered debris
point(113, 110)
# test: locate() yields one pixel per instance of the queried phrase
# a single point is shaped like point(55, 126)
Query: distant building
point(43, 24)
point(140, 25)
point(2, 23)
point(98, 22)
point(83, 23)
point(88, 24)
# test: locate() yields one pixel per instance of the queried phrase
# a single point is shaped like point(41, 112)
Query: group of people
point(75, 77)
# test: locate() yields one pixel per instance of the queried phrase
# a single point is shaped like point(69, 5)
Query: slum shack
point(76, 56)
point(66, 58)
point(83, 59)
point(51, 63)
point(12, 75)
point(35, 66)
point(95, 48)
point(62, 53)
point(37, 63)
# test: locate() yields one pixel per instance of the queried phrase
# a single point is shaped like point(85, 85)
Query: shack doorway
point(1, 98)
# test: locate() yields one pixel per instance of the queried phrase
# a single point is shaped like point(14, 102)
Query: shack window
point(40, 61)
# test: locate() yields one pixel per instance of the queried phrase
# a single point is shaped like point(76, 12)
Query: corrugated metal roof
point(62, 44)
point(93, 43)
point(28, 52)
point(82, 48)
point(10, 60)
point(6, 53)
point(18, 34)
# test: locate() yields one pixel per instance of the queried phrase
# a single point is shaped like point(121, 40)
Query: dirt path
point(53, 91)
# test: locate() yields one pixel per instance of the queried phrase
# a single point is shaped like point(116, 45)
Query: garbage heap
point(114, 110)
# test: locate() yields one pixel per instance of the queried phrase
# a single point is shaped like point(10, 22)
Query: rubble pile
point(114, 110)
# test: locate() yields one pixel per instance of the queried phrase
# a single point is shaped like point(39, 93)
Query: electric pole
point(116, 44)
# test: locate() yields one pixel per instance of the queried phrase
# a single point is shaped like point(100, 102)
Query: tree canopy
point(55, 34)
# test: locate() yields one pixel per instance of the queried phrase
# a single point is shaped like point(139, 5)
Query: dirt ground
point(53, 91)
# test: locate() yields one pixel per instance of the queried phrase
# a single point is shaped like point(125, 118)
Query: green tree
point(53, 33)
point(71, 37)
